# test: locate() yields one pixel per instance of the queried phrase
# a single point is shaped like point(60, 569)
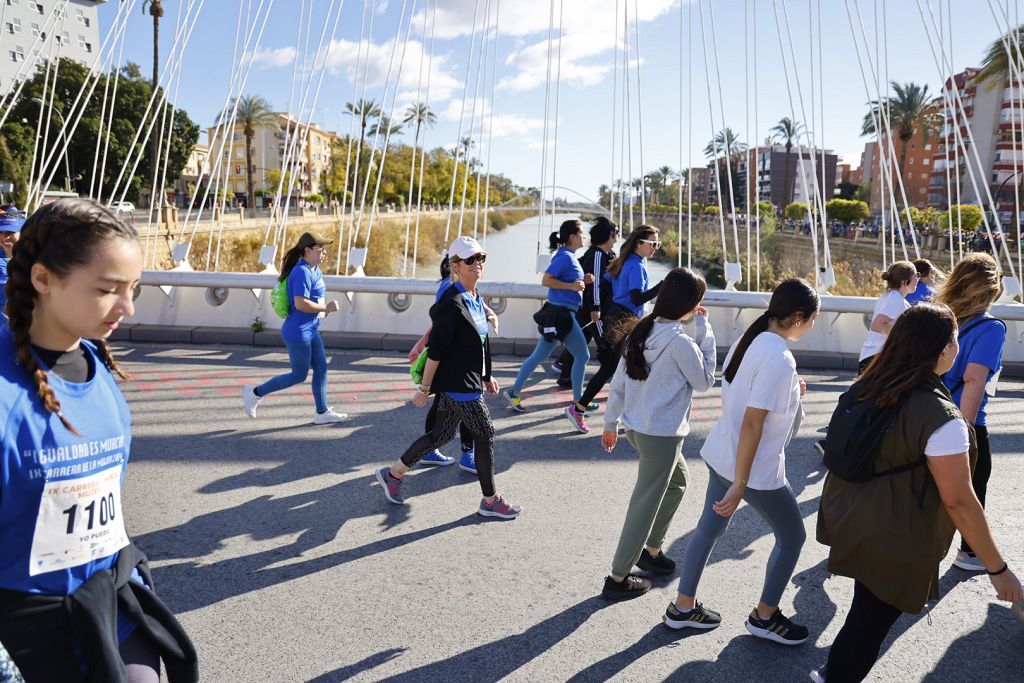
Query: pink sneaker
point(499, 507)
point(576, 419)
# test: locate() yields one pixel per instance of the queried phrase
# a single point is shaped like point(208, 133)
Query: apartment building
point(784, 177)
point(33, 30)
point(916, 163)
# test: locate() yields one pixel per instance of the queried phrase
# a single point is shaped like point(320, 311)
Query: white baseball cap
point(464, 247)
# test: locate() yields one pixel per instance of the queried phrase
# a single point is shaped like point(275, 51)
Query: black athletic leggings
point(450, 414)
point(982, 471)
point(856, 646)
point(608, 354)
point(465, 436)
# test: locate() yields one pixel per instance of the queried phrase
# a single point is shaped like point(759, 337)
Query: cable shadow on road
point(362, 666)
point(494, 661)
point(993, 651)
point(658, 637)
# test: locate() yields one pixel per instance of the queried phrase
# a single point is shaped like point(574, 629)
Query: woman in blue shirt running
point(75, 596)
point(301, 329)
point(10, 226)
point(565, 281)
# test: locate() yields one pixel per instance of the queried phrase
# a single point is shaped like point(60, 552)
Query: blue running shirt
point(307, 282)
point(982, 345)
point(632, 276)
point(565, 267)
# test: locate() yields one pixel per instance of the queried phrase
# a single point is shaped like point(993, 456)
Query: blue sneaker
point(593, 406)
point(512, 398)
point(468, 461)
point(436, 458)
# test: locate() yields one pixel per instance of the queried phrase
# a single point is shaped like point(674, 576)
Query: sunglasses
point(654, 243)
point(482, 258)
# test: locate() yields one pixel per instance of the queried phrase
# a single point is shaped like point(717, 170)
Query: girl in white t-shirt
point(900, 280)
point(744, 452)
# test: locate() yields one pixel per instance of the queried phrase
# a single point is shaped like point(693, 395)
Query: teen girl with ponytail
point(745, 455)
point(630, 291)
point(301, 329)
point(565, 281)
point(75, 593)
point(900, 280)
point(650, 393)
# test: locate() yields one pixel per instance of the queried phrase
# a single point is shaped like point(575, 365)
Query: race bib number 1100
point(79, 521)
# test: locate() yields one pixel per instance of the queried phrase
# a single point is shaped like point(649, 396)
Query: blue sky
point(589, 56)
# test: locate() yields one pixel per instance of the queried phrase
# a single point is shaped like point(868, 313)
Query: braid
point(20, 303)
point(108, 358)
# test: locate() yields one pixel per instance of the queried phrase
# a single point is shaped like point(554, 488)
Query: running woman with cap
point(10, 228)
point(301, 329)
point(457, 372)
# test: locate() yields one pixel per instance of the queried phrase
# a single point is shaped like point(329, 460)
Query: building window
point(65, 39)
point(17, 54)
point(88, 48)
point(14, 26)
point(911, 161)
point(37, 6)
point(926, 161)
point(35, 30)
point(12, 3)
point(81, 42)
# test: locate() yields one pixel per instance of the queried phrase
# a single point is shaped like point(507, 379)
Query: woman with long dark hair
point(746, 459)
point(630, 291)
point(76, 596)
point(890, 533)
point(650, 394)
point(970, 291)
point(565, 281)
point(301, 329)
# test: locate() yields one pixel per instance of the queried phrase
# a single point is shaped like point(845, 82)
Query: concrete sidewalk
point(274, 544)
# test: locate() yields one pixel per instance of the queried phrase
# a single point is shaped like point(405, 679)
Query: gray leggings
point(778, 507)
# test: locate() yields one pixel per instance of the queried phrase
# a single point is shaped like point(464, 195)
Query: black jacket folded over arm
point(464, 360)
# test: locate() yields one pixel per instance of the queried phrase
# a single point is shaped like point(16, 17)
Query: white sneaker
point(250, 400)
point(968, 562)
point(330, 417)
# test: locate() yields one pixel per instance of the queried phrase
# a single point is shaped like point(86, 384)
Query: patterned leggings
point(473, 415)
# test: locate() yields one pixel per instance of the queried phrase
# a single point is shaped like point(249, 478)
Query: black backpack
point(855, 433)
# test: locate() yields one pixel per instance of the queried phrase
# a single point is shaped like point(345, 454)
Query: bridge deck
point(272, 542)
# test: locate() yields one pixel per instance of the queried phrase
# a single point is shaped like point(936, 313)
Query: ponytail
point(636, 364)
point(555, 242)
point(559, 238)
point(291, 258)
point(792, 297)
point(898, 274)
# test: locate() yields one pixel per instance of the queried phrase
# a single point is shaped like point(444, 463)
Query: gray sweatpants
point(778, 507)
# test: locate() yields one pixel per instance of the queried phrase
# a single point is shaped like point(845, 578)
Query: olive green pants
point(660, 483)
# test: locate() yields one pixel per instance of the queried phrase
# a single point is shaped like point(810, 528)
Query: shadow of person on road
point(992, 652)
point(658, 637)
point(362, 666)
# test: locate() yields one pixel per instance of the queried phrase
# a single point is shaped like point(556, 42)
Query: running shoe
point(576, 419)
point(776, 628)
point(555, 367)
point(512, 398)
point(499, 507)
point(250, 400)
point(819, 675)
point(699, 617)
point(436, 458)
point(819, 446)
point(564, 382)
point(630, 587)
point(392, 487)
point(659, 564)
point(968, 562)
point(329, 417)
point(468, 461)
point(593, 407)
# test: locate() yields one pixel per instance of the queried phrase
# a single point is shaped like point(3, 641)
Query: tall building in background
point(31, 31)
point(779, 180)
point(917, 168)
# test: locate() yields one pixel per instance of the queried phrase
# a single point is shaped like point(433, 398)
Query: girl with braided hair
point(76, 599)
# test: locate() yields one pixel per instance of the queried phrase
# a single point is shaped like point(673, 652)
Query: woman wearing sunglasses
point(630, 291)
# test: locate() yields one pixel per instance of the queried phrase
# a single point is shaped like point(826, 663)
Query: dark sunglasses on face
point(482, 258)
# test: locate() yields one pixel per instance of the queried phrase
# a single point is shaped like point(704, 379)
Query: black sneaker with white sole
point(819, 446)
point(776, 628)
point(630, 587)
point(657, 564)
point(698, 617)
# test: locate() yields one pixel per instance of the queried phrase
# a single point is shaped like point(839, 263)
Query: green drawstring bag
point(416, 371)
point(279, 299)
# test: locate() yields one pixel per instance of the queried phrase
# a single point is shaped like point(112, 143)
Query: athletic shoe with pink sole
point(499, 507)
point(576, 419)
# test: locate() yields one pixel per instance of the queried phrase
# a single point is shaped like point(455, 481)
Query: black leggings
point(465, 436)
point(608, 354)
point(982, 471)
point(856, 646)
point(450, 414)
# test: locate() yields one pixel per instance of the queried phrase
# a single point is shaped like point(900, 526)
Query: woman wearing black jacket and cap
point(457, 372)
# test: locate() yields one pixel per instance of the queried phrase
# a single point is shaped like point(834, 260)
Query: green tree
point(419, 115)
point(787, 131)
point(725, 142)
point(968, 216)
point(863, 193)
point(365, 110)
point(995, 65)
point(156, 10)
point(795, 211)
point(383, 128)
point(911, 108)
point(254, 112)
point(847, 210)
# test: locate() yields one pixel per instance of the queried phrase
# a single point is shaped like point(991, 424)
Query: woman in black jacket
point(457, 372)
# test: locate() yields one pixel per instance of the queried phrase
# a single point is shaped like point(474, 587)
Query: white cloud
point(274, 57)
point(343, 56)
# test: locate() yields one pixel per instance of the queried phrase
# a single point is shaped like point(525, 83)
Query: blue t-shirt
point(922, 293)
point(3, 281)
point(632, 276)
point(475, 306)
point(565, 267)
point(307, 282)
point(442, 287)
point(982, 345)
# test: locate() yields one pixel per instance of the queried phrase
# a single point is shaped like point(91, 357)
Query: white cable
point(28, 63)
point(462, 116)
point(728, 151)
point(419, 194)
point(490, 122)
point(412, 164)
point(640, 113)
point(480, 69)
point(544, 136)
point(615, 90)
point(558, 101)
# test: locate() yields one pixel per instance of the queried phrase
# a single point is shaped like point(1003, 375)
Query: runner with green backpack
point(300, 298)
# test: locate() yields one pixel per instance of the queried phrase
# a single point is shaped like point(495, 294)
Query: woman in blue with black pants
point(301, 329)
point(565, 281)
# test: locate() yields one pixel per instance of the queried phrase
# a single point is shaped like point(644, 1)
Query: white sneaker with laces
point(250, 400)
point(330, 417)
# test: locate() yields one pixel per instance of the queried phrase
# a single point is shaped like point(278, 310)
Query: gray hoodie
point(678, 365)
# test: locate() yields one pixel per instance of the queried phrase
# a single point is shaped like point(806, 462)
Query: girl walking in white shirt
point(745, 456)
point(900, 280)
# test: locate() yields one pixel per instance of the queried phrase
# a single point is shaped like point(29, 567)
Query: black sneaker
point(777, 628)
point(564, 382)
point(658, 564)
point(819, 446)
point(627, 589)
point(698, 617)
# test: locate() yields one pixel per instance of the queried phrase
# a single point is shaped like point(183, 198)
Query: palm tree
point(365, 110)
point(383, 128)
point(995, 66)
point(421, 115)
point(659, 179)
point(787, 131)
point(156, 10)
point(254, 112)
point(911, 108)
point(725, 142)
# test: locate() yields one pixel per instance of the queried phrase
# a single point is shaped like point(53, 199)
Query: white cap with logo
point(464, 247)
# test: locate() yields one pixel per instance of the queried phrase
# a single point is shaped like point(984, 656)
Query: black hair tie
point(1005, 567)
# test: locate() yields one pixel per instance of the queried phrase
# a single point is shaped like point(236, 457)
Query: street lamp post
point(67, 143)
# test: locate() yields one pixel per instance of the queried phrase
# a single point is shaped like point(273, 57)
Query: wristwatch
point(424, 389)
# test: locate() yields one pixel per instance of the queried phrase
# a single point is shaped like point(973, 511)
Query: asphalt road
point(273, 543)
